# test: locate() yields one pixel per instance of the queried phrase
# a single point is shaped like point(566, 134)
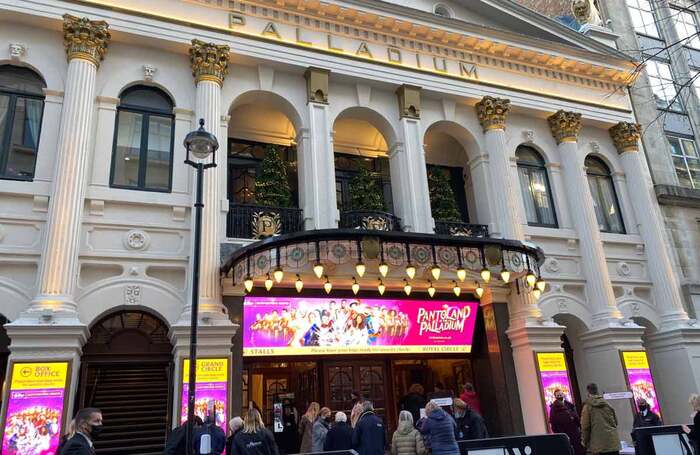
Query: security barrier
point(545, 444)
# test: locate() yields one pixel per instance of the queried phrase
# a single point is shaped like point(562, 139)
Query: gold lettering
point(271, 29)
point(363, 49)
point(331, 47)
point(300, 39)
point(418, 65)
point(468, 70)
point(393, 54)
point(235, 19)
point(440, 64)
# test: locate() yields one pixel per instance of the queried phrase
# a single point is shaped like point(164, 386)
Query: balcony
point(460, 229)
point(369, 220)
point(247, 221)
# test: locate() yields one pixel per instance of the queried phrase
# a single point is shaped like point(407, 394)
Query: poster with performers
point(553, 375)
point(211, 386)
point(34, 415)
point(316, 326)
point(639, 378)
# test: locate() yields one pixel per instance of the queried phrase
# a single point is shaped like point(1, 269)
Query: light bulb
point(530, 279)
point(411, 271)
point(431, 289)
point(540, 285)
point(505, 275)
point(248, 283)
point(435, 272)
point(456, 289)
point(355, 286)
point(268, 282)
point(479, 290)
point(278, 274)
point(383, 269)
point(486, 275)
point(327, 286)
point(407, 287)
point(360, 268)
point(461, 274)
point(318, 270)
point(381, 288)
point(536, 293)
point(299, 284)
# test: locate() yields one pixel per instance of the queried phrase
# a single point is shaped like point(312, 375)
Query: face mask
point(95, 431)
point(560, 398)
point(642, 407)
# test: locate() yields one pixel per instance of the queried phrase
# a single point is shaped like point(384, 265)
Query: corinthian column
point(565, 127)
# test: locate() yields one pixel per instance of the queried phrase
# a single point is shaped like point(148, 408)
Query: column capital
point(625, 136)
point(85, 39)
point(492, 112)
point(209, 61)
point(565, 125)
point(409, 101)
point(316, 85)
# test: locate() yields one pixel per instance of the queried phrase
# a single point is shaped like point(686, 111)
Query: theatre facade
point(404, 193)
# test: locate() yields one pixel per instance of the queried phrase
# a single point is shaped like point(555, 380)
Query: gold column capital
point(565, 125)
point(409, 101)
point(492, 112)
point(209, 61)
point(625, 136)
point(85, 39)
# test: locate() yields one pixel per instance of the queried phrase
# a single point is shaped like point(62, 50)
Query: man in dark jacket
point(644, 418)
point(470, 425)
point(339, 437)
point(175, 444)
point(441, 429)
point(88, 425)
point(414, 401)
point(217, 435)
point(369, 437)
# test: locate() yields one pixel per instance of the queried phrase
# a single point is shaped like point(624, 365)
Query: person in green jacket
point(599, 424)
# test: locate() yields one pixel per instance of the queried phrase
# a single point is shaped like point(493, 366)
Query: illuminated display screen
point(35, 408)
point(212, 385)
point(553, 376)
point(639, 378)
point(305, 326)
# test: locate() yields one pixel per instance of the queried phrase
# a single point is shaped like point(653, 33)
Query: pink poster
point(211, 387)
point(301, 326)
point(553, 376)
point(639, 378)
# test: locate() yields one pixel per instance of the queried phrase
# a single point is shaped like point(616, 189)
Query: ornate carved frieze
point(85, 39)
point(492, 112)
point(626, 136)
point(317, 85)
point(409, 101)
point(209, 61)
point(565, 126)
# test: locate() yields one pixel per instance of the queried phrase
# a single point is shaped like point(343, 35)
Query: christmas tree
point(271, 184)
point(365, 194)
point(442, 198)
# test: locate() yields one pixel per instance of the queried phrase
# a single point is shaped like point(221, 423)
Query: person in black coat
point(254, 438)
point(217, 435)
point(339, 437)
point(694, 434)
point(644, 418)
point(88, 425)
point(175, 444)
point(470, 425)
point(368, 436)
point(414, 401)
point(235, 426)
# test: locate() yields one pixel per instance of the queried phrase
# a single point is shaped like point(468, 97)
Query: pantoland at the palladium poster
point(313, 326)
point(211, 386)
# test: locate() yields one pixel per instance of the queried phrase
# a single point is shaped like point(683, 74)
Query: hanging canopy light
point(431, 289)
point(411, 271)
point(248, 283)
point(278, 274)
point(327, 286)
point(536, 293)
point(355, 286)
point(461, 274)
point(383, 269)
point(541, 284)
point(318, 270)
point(299, 284)
point(381, 288)
point(268, 282)
point(360, 268)
point(505, 275)
point(485, 275)
point(479, 290)
point(435, 272)
point(456, 289)
point(407, 287)
point(530, 278)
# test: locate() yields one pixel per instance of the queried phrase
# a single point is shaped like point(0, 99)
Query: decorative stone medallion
point(136, 240)
point(132, 294)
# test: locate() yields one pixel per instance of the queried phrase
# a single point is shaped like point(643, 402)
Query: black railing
point(461, 229)
point(247, 221)
point(369, 220)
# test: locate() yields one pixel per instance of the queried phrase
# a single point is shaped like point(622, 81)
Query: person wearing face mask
point(320, 430)
point(644, 418)
point(88, 425)
point(564, 419)
point(470, 424)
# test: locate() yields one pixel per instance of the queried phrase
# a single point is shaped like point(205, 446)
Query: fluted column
point(666, 289)
point(565, 127)
point(86, 42)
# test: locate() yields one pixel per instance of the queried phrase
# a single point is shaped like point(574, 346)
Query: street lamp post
point(201, 145)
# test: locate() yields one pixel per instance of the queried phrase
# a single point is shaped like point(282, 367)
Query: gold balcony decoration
point(493, 112)
point(266, 224)
point(565, 126)
point(85, 39)
point(209, 61)
point(625, 136)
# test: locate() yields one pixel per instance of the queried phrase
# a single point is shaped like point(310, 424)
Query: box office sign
point(553, 375)
point(211, 387)
point(317, 326)
point(639, 379)
point(35, 406)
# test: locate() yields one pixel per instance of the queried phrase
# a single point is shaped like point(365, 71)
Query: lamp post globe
point(201, 143)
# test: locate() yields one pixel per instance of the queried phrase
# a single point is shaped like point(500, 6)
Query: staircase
point(133, 399)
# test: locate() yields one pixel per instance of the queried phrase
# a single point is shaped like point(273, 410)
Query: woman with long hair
point(254, 438)
point(306, 424)
point(694, 434)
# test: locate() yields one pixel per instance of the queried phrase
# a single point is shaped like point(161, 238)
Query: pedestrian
point(470, 397)
point(368, 436)
point(69, 434)
point(235, 426)
point(357, 399)
point(217, 437)
point(599, 424)
point(414, 401)
point(175, 444)
point(439, 391)
point(564, 419)
point(254, 438)
point(306, 424)
point(339, 437)
point(406, 440)
point(470, 424)
point(694, 434)
point(441, 430)
point(88, 425)
point(320, 430)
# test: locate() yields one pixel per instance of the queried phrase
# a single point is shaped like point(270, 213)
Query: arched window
point(534, 184)
point(143, 140)
point(442, 10)
point(21, 109)
point(607, 210)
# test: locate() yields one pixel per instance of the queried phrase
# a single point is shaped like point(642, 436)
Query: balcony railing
point(459, 229)
point(247, 221)
point(370, 220)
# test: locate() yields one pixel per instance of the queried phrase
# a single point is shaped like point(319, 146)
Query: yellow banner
point(326, 350)
point(551, 361)
point(635, 360)
point(208, 370)
point(32, 376)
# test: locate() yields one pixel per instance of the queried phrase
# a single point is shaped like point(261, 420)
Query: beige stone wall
point(551, 8)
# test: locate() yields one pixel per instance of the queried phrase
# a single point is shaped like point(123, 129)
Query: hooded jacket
point(407, 441)
point(472, 400)
point(599, 426)
point(368, 437)
point(260, 443)
point(441, 430)
point(318, 434)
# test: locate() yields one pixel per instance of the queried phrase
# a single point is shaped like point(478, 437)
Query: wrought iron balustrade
point(458, 228)
point(248, 221)
point(370, 220)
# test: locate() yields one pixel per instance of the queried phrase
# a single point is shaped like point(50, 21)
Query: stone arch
point(152, 84)
point(14, 298)
point(579, 371)
point(51, 81)
point(371, 116)
point(558, 303)
point(546, 157)
point(634, 308)
point(465, 138)
point(260, 101)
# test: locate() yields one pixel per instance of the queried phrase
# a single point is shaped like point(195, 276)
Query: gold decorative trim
point(626, 136)
point(565, 126)
point(85, 39)
point(492, 112)
point(209, 61)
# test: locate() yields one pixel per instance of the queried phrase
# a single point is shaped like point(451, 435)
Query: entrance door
point(368, 377)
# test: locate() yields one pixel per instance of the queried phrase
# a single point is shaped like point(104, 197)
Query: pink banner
point(300, 326)
point(639, 378)
point(211, 379)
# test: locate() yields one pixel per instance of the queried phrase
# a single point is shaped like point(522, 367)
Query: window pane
point(4, 105)
point(528, 199)
point(597, 206)
point(540, 193)
point(24, 138)
point(609, 204)
point(675, 143)
point(682, 172)
point(18, 79)
point(159, 140)
point(689, 148)
point(126, 155)
point(694, 167)
point(146, 97)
